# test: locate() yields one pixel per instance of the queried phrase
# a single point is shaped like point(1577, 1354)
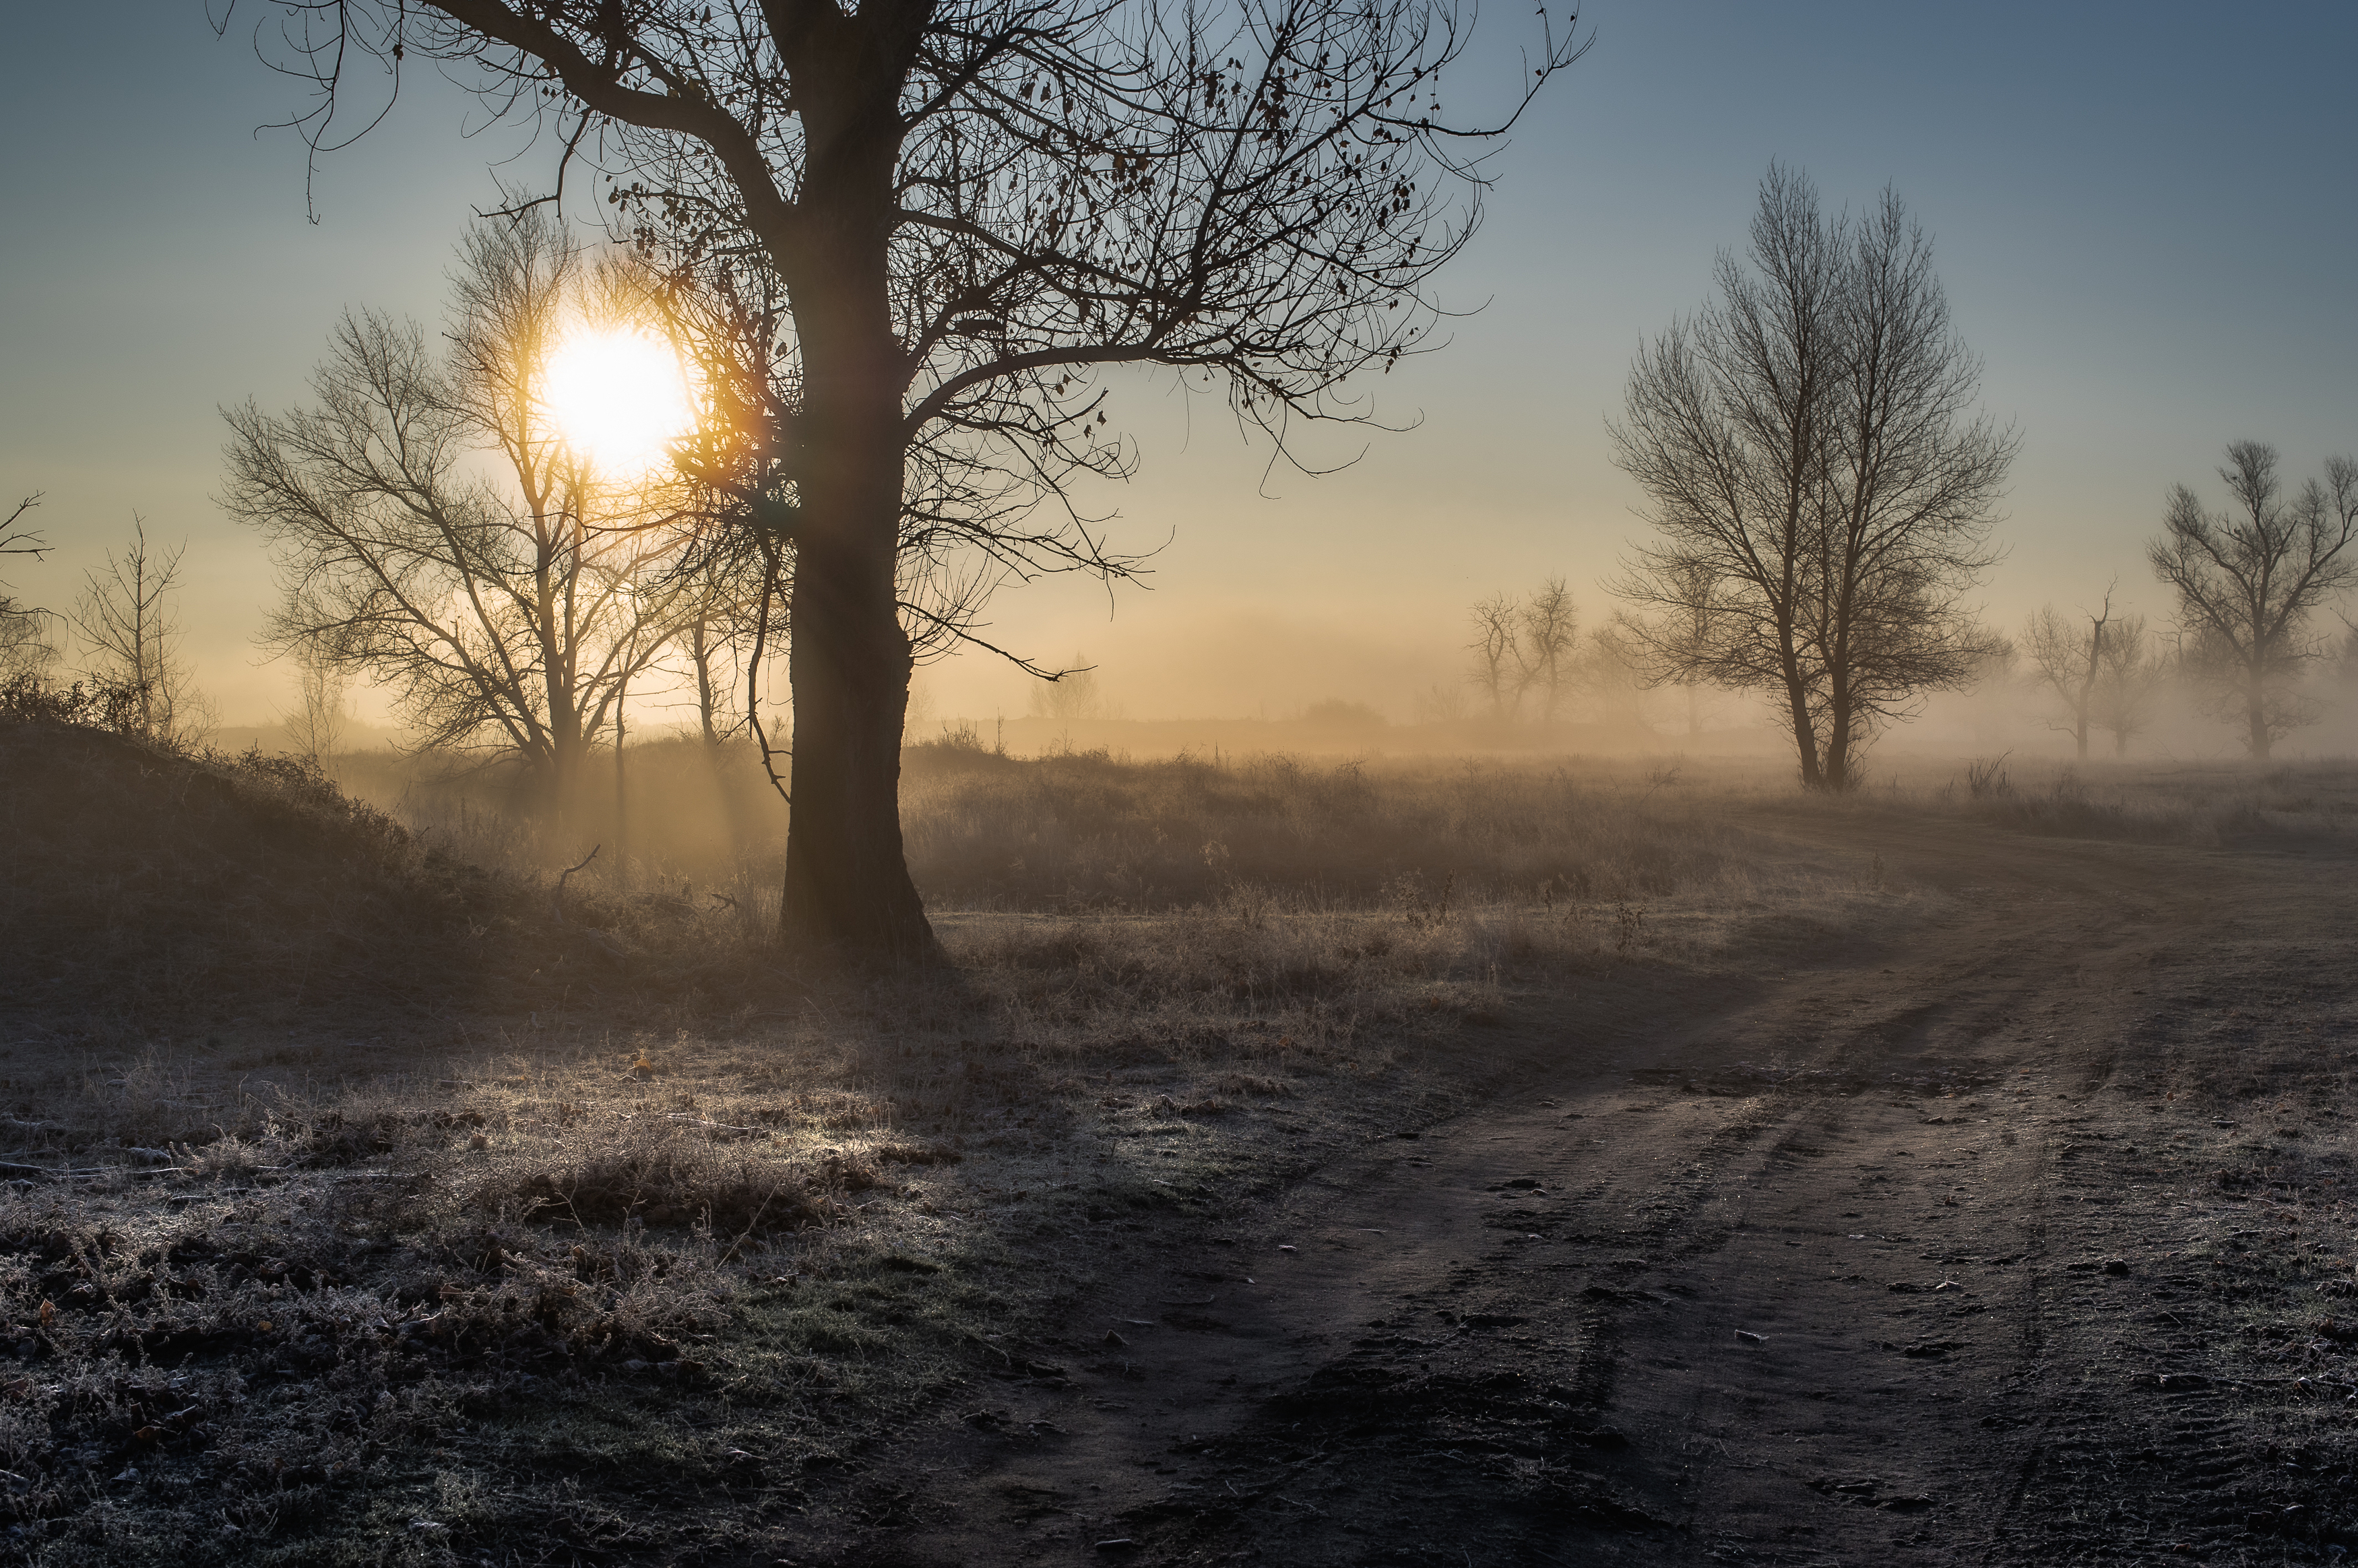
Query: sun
point(618, 399)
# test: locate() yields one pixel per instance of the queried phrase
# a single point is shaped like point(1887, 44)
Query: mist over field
point(1260, 782)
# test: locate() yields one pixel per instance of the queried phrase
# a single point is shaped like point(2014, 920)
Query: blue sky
point(2146, 220)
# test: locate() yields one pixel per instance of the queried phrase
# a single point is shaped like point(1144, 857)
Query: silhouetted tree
point(966, 206)
point(1551, 634)
point(316, 723)
point(1819, 479)
point(25, 646)
point(2129, 676)
point(130, 633)
point(1496, 673)
point(507, 616)
point(1676, 642)
point(2069, 662)
point(2248, 579)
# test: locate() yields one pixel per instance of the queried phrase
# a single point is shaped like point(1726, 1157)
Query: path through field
point(1913, 1255)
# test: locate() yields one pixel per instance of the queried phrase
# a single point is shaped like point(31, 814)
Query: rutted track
point(1879, 1263)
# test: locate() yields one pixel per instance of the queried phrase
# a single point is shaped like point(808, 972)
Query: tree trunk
point(1840, 710)
point(848, 887)
point(622, 791)
point(2256, 711)
point(1797, 696)
point(847, 890)
point(1838, 737)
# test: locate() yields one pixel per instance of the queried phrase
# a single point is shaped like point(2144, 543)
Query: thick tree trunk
point(847, 888)
point(1838, 727)
point(1834, 777)
point(1797, 698)
point(2257, 713)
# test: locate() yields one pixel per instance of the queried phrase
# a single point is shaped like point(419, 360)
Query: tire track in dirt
point(1523, 1338)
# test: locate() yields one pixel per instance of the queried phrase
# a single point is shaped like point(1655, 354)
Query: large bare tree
point(2249, 578)
point(435, 533)
point(1821, 486)
point(967, 207)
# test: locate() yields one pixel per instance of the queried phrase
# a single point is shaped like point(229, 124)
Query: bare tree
point(1496, 672)
point(2248, 579)
point(1444, 702)
point(1071, 693)
point(25, 646)
point(1676, 642)
point(130, 633)
point(1726, 430)
point(1819, 482)
point(704, 638)
point(1614, 672)
point(316, 722)
point(19, 541)
point(2069, 662)
point(508, 616)
point(966, 206)
point(1550, 634)
point(2129, 676)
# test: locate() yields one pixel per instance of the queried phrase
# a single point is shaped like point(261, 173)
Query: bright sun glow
point(618, 399)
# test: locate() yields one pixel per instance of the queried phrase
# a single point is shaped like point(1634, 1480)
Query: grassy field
point(370, 1203)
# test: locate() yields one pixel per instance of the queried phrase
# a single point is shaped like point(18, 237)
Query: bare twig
point(556, 894)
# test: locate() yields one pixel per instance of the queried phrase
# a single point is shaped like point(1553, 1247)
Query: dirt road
point(2011, 1238)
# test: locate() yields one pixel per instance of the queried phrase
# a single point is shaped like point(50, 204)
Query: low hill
point(136, 883)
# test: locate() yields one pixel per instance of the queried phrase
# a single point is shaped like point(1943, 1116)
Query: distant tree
point(969, 206)
point(2129, 676)
point(704, 638)
point(1549, 636)
point(25, 646)
point(2069, 661)
point(316, 722)
point(1676, 642)
point(1444, 702)
point(130, 632)
point(1614, 669)
point(1070, 694)
point(1497, 674)
point(2249, 578)
point(1818, 479)
point(433, 534)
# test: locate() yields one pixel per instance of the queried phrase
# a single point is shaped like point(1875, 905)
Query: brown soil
point(2014, 1239)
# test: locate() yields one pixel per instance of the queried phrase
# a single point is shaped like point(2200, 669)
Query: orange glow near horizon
point(618, 399)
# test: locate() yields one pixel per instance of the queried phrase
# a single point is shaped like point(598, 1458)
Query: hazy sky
point(2146, 218)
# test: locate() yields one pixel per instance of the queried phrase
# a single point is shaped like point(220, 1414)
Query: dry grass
point(385, 1279)
point(2206, 804)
